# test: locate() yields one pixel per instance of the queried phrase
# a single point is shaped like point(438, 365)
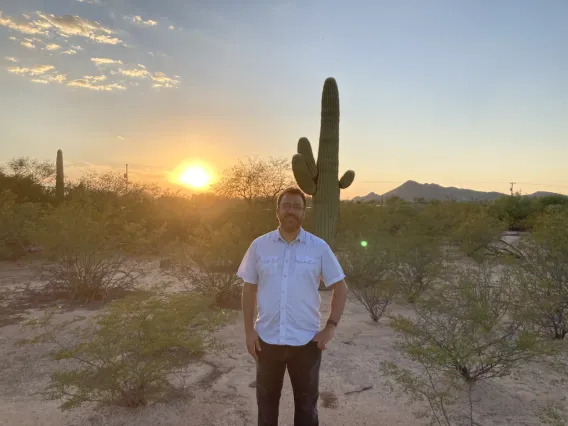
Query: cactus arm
point(347, 179)
point(305, 148)
point(303, 175)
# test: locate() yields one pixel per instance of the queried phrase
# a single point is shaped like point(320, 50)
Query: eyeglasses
point(295, 207)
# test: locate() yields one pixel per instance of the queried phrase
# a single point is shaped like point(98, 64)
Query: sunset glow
point(196, 176)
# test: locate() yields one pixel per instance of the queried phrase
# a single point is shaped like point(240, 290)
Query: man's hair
point(292, 191)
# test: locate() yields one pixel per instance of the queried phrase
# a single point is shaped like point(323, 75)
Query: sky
point(469, 93)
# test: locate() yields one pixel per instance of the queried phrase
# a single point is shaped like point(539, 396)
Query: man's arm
point(248, 302)
point(338, 299)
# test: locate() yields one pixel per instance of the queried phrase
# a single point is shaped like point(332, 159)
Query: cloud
point(35, 70)
point(69, 52)
point(76, 47)
point(135, 73)
point(106, 61)
point(52, 46)
point(95, 78)
point(171, 27)
point(53, 78)
point(162, 78)
point(11, 59)
point(86, 84)
point(43, 74)
point(89, 1)
point(68, 25)
point(65, 26)
point(120, 137)
point(28, 44)
point(139, 21)
point(20, 26)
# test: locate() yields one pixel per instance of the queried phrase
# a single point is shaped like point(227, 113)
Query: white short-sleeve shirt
point(288, 276)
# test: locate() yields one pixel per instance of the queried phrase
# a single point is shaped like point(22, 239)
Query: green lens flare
point(363, 243)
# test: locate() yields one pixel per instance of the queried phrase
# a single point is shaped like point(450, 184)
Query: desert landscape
point(219, 390)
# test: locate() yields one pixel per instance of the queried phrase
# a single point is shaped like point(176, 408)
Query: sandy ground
point(224, 395)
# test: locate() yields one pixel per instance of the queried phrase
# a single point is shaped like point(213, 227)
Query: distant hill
point(411, 190)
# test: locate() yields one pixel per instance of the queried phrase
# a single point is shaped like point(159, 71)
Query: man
point(282, 270)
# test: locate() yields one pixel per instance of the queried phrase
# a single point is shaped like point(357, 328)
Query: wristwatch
point(332, 322)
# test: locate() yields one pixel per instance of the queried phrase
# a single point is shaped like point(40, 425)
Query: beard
point(290, 223)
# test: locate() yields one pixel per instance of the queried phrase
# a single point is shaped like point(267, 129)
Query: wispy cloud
point(171, 27)
point(136, 73)
point(64, 26)
point(120, 137)
point(35, 70)
point(28, 44)
point(106, 61)
point(86, 84)
point(95, 78)
point(69, 52)
point(51, 78)
point(20, 26)
point(162, 78)
point(139, 21)
point(10, 58)
point(89, 1)
point(43, 74)
point(52, 46)
point(69, 25)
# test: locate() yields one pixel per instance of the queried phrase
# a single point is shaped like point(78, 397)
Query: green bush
point(209, 265)
point(544, 278)
point(16, 222)
point(465, 331)
point(127, 356)
point(369, 269)
point(92, 254)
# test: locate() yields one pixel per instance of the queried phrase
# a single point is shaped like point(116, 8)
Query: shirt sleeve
point(331, 270)
point(247, 270)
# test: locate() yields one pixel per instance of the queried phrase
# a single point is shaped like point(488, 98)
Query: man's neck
point(289, 236)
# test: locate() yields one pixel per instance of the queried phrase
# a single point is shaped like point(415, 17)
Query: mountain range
point(411, 190)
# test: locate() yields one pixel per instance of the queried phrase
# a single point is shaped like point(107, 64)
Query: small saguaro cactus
point(321, 179)
point(59, 178)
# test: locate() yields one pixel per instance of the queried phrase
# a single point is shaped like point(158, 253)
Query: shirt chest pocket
point(308, 267)
point(267, 265)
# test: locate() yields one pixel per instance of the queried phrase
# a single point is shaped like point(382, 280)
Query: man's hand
point(324, 336)
point(253, 342)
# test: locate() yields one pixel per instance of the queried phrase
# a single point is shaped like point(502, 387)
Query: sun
point(196, 176)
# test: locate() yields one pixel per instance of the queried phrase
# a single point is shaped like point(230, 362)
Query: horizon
point(468, 95)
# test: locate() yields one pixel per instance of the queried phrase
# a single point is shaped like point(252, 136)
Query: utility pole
point(512, 185)
point(126, 178)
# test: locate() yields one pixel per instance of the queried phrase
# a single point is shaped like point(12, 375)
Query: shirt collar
point(301, 238)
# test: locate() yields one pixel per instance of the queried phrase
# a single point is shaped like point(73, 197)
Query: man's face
point(291, 212)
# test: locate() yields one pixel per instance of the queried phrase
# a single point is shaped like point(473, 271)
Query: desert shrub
point(28, 179)
point(475, 232)
point(463, 333)
point(128, 355)
point(544, 277)
point(419, 256)
point(16, 220)
point(208, 266)
point(369, 269)
point(92, 254)
point(513, 210)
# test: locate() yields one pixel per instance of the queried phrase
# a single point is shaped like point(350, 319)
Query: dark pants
point(303, 363)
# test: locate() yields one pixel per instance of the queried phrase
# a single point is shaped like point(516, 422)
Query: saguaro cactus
point(321, 179)
point(59, 178)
